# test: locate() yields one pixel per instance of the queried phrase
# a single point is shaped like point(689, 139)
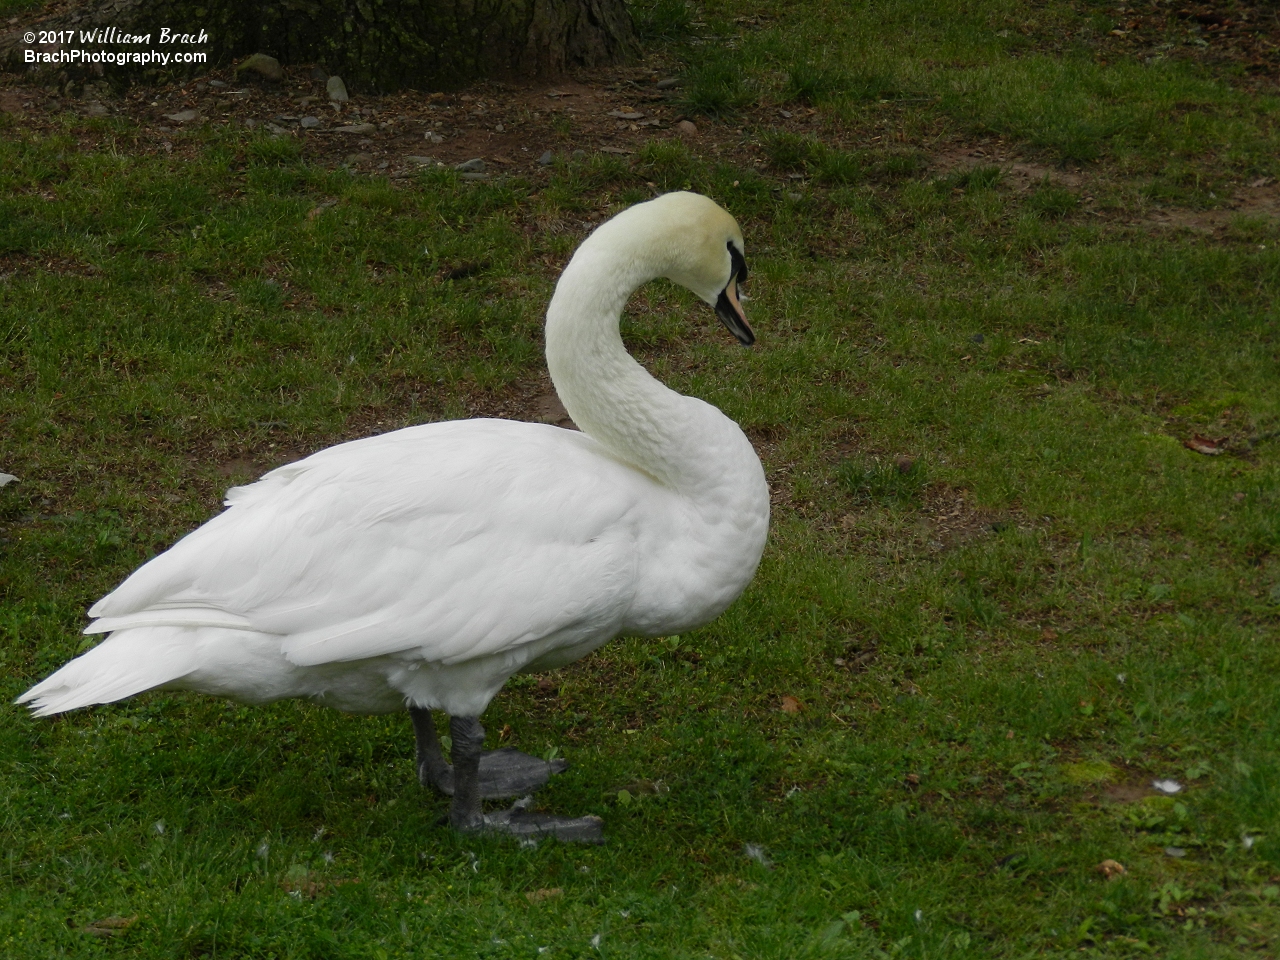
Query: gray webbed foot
point(505, 772)
point(519, 822)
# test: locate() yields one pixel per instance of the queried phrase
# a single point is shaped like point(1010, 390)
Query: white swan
point(424, 567)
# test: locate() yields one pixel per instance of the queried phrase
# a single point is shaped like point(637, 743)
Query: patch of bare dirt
point(1130, 792)
point(534, 401)
point(13, 103)
point(508, 128)
point(1259, 199)
point(954, 519)
point(1242, 35)
point(18, 264)
point(1018, 173)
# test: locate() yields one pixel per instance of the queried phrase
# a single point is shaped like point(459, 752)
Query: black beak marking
point(728, 309)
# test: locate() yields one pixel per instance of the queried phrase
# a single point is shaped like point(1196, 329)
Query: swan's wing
point(455, 540)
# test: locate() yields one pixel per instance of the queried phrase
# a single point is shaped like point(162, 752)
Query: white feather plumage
point(426, 566)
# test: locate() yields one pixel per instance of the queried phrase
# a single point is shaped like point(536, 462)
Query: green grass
point(1055, 599)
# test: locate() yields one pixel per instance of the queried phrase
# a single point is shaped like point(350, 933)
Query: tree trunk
point(373, 44)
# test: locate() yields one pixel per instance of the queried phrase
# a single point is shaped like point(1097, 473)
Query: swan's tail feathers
point(127, 662)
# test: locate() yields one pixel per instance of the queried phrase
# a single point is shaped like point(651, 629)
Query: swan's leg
point(503, 773)
point(433, 771)
point(466, 814)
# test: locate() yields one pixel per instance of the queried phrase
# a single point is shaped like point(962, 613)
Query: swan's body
point(426, 566)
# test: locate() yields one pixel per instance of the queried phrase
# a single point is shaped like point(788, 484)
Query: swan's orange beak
point(729, 310)
point(728, 306)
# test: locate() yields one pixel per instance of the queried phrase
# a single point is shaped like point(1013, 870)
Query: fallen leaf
point(1111, 869)
point(1049, 634)
point(1206, 445)
point(109, 926)
point(791, 705)
point(913, 779)
point(537, 896)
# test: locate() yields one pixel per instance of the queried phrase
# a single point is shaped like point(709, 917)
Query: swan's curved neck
point(610, 396)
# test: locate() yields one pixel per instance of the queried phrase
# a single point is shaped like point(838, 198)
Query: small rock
point(424, 161)
point(356, 128)
point(96, 109)
point(250, 123)
point(474, 176)
point(309, 123)
point(1176, 852)
point(201, 87)
point(499, 128)
point(579, 155)
point(547, 159)
point(475, 165)
point(795, 197)
point(319, 73)
point(337, 90)
point(217, 84)
point(626, 115)
point(354, 158)
point(432, 137)
point(264, 66)
point(977, 338)
point(278, 130)
point(687, 128)
point(1167, 787)
point(7, 478)
point(669, 83)
point(183, 116)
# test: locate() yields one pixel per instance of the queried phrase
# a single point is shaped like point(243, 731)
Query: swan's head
point(708, 255)
point(691, 240)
